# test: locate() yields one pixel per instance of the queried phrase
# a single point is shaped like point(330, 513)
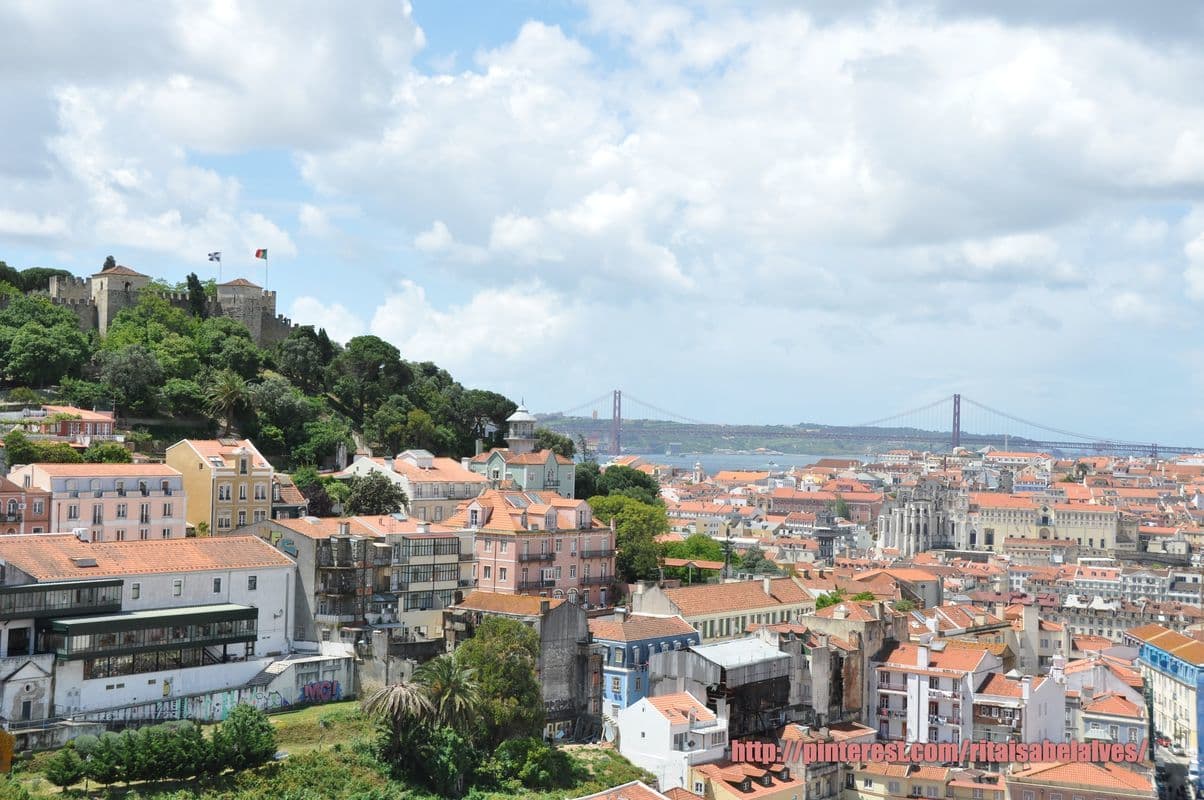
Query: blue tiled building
point(1173, 668)
point(626, 641)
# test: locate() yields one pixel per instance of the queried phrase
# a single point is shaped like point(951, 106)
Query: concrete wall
point(562, 663)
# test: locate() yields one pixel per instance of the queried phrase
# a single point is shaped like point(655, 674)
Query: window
point(144, 513)
point(223, 492)
point(503, 547)
point(867, 783)
point(488, 572)
point(167, 533)
point(1027, 795)
point(242, 466)
point(144, 533)
point(72, 512)
point(123, 511)
point(572, 570)
point(135, 591)
point(38, 507)
point(559, 545)
point(167, 509)
point(121, 535)
point(223, 523)
point(893, 787)
point(252, 583)
point(501, 573)
point(260, 515)
point(619, 653)
point(614, 685)
point(261, 491)
point(488, 542)
point(217, 585)
point(242, 491)
point(177, 588)
point(120, 488)
point(98, 514)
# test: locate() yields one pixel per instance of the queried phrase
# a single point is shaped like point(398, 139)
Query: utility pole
point(957, 421)
point(616, 423)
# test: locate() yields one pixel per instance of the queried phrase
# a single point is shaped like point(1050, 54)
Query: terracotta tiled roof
point(635, 790)
point(737, 596)
point(1115, 705)
point(1106, 776)
point(58, 556)
point(522, 459)
point(515, 605)
point(637, 627)
point(84, 414)
point(998, 685)
point(112, 470)
point(120, 270)
point(676, 707)
point(216, 448)
point(367, 526)
point(241, 282)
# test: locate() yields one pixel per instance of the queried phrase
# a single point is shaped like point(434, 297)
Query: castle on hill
point(96, 301)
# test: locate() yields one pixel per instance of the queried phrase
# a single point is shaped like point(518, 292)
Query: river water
point(714, 462)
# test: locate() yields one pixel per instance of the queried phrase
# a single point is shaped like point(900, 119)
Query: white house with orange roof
point(925, 692)
point(519, 465)
point(1112, 717)
point(668, 735)
point(113, 502)
point(434, 486)
point(1019, 709)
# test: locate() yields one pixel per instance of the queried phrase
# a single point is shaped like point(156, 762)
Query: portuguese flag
point(262, 254)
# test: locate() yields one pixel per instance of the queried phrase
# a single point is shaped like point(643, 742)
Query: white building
point(1020, 708)
point(667, 735)
point(434, 486)
point(98, 628)
point(925, 692)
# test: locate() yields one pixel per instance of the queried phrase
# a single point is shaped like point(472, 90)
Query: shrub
point(65, 768)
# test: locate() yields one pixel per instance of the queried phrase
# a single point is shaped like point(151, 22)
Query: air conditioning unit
point(21, 506)
point(691, 744)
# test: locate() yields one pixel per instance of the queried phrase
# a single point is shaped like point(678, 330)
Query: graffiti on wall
point(321, 692)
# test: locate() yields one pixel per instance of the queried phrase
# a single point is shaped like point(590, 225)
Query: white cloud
point(314, 221)
point(22, 224)
point(340, 323)
point(1194, 274)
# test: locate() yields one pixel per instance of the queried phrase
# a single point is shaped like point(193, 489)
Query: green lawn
point(328, 760)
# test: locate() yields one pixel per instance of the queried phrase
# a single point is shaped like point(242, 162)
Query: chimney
point(81, 534)
point(543, 608)
point(766, 586)
point(480, 447)
point(1026, 688)
point(464, 462)
point(344, 529)
point(620, 613)
point(922, 656)
point(388, 463)
point(424, 527)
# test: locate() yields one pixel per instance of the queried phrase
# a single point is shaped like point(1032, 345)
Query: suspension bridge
point(950, 422)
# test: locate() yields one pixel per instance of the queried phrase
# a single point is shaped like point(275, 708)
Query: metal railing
point(524, 557)
point(597, 553)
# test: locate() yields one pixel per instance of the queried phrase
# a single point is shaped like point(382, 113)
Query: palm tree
point(453, 691)
point(399, 703)
point(227, 394)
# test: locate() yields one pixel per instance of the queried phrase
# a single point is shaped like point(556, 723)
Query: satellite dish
point(690, 743)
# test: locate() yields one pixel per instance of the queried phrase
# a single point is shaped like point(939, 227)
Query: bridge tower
point(616, 423)
point(957, 421)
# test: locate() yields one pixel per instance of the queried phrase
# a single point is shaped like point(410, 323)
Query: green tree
point(387, 425)
point(65, 768)
point(558, 443)
point(226, 397)
point(39, 355)
point(110, 263)
point(239, 355)
point(904, 606)
point(446, 759)
point(532, 763)
point(502, 654)
point(637, 525)
point(696, 546)
point(367, 371)
point(374, 494)
point(104, 764)
point(455, 695)
point(321, 440)
point(754, 561)
point(585, 483)
point(131, 376)
point(840, 508)
point(245, 739)
point(107, 453)
point(18, 449)
point(299, 358)
point(181, 397)
point(619, 479)
point(197, 301)
point(83, 394)
point(829, 599)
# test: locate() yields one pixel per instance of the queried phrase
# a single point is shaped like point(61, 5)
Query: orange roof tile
point(637, 627)
point(49, 557)
point(515, 605)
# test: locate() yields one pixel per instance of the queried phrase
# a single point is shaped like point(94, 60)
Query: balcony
point(537, 585)
point(900, 688)
point(467, 556)
point(949, 695)
point(525, 557)
point(333, 619)
point(597, 553)
point(597, 580)
point(40, 600)
point(465, 583)
point(11, 517)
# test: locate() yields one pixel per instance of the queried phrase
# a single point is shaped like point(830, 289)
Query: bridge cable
point(877, 422)
point(1050, 429)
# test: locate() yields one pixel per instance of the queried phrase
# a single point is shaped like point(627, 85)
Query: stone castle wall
point(256, 309)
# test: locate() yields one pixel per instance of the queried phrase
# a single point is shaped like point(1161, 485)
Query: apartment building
point(227, 480)
point(113, 502)
point(1173, 668)
point(726, 610)
point(355, 572)
point(625, 644)
point(540, 543)
point(1023, 709)
point(435, 487)
point(925, 692)
point(23, 509)
point(881, 781)
point(108, 627)
point(519, 465)
point(996, 517)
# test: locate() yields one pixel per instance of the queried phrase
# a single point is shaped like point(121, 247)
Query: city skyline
point(845, 210)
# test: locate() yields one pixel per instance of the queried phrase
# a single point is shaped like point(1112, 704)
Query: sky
point(742, 212)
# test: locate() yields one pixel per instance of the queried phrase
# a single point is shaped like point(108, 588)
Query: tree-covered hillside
point(298, 401)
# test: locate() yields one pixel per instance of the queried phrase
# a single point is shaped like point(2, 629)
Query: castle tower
point(248, 303)
point(114, 289)
point(521, 435)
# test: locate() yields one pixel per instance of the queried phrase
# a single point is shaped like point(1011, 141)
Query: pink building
point(113, 502)
point(539, 543)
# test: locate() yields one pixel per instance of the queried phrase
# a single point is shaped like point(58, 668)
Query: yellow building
point(228, 482)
